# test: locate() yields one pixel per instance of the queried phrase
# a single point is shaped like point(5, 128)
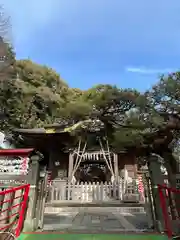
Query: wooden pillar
point(116, 172)
point(51, 160)
point(70, 167)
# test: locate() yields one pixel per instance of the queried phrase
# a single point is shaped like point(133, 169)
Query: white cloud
point(144, 70)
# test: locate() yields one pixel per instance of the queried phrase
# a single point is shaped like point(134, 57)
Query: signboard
point(14, 165)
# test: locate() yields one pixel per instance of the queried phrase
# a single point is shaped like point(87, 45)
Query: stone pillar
point(156, 178)
point(70, 167)
point(116, 172)
point(33, 177)
point(149, 207)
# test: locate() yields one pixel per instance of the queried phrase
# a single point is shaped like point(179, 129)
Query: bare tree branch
point(5, 26)
point(7, 58)
point(5, 42)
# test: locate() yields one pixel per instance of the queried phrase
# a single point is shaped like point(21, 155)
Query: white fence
point(93, 192)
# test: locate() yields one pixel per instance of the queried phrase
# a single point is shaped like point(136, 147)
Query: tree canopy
point(34, 97)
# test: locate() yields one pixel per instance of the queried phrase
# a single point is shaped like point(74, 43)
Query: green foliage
point(127, 138)
point(165, 100)
point(76, 111)
point(34, 97)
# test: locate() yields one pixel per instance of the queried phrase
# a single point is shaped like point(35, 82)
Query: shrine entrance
point(92, 171)
point(93, 166)
point(92, 177)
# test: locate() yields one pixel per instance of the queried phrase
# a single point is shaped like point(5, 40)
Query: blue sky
point(124, 42)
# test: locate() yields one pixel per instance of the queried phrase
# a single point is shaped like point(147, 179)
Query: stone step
point(132, 210)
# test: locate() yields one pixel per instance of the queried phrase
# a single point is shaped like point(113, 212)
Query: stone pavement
point(95, 219)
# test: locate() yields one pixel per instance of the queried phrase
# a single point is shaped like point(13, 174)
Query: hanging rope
point(110, 167)
point(77, 153)
point(110, 163)
point(80, 159)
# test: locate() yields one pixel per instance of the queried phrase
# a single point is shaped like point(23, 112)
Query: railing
point(170, 200)
point(88, 192)
point(13, 202)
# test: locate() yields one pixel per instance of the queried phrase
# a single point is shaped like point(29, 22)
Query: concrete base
point(30, 225)
point(93, 204)
point(109, 219)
